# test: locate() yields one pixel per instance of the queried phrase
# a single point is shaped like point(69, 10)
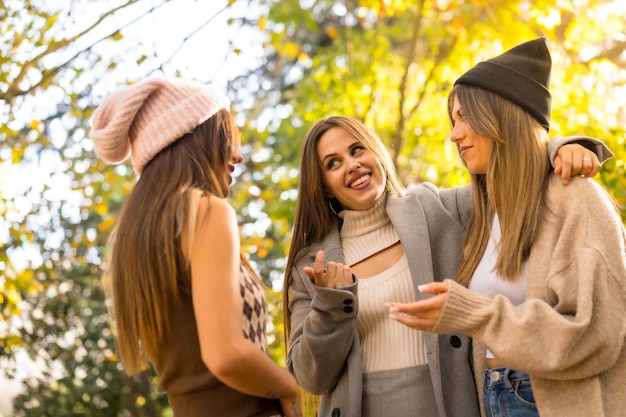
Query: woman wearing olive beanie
point(542, 285)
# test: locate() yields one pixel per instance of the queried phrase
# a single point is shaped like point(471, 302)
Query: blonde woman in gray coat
point(360, 240)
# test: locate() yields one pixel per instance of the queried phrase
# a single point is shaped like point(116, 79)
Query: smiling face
point(473, 148)
point(351, 173)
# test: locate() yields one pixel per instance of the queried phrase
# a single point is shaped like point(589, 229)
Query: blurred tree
point(392, 63)
point(289, 63)
point(59, 203)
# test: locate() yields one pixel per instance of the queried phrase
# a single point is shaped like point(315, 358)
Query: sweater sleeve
point(456, 201)
point(323, 329)
point(594, 144)
point(573, 323)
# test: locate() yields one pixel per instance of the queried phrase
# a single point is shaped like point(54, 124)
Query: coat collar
point(408, 218)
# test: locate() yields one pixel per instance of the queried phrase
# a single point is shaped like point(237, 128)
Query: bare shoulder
point(214, 208)
point(208, 215)
point(215, 219)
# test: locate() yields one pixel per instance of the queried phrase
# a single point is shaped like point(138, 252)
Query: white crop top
point(486, 282)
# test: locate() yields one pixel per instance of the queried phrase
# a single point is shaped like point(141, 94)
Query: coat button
point(348, 301)
point(336, 412)
point(348, 309)
point(455, 341)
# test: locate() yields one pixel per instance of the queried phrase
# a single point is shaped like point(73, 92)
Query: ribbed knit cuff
point(464, 310)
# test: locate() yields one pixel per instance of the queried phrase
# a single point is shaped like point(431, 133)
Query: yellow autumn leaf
point(34, 125)
point(13, 296)
point(291, 50)
point(12, 341)
point(110, 356)
point(107, 224)
point(17, 154)
point(25, 278)
point(331, 32)
point(101, 209)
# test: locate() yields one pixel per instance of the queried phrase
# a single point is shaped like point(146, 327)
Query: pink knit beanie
point(142, 119)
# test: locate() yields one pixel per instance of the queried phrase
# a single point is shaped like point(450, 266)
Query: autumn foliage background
point(285, 64)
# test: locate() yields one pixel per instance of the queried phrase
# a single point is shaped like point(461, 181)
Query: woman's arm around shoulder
point(215, 269)
point(577, 155)
point(455, 202)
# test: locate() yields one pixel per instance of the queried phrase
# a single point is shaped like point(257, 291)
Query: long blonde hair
point(513, 186)
point(146, 269)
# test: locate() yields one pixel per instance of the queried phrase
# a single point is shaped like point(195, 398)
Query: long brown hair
point(147, 268)
point(314, 215)
point(513, 186)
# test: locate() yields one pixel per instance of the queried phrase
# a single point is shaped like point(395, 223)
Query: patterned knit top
point(254, 310)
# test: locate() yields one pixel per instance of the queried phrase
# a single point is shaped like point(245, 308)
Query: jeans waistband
point(497, 376)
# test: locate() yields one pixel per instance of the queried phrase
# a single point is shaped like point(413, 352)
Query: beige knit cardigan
point(570, 333)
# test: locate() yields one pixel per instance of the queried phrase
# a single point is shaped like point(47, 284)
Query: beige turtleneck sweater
point(385, 344)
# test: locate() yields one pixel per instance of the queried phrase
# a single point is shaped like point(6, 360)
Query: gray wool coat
point(324, 349)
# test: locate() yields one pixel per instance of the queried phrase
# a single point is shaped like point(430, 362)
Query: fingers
point(422, 308)
point(420, 315)
point(330, 271)
point(337, 275)
point(568, 162)
point(424, 314)
point(574, 159)
point(557, 165)
point(316, 273)
point(413, 322)
point(309, 271)
point(333, 275)
point(433, 288)
point(589, 164)
point(564, 168)
point(347, 276)
point(318, 266)
point(594, 164)
point(585, 167)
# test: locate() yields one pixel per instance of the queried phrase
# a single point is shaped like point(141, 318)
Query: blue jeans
point(508, 394)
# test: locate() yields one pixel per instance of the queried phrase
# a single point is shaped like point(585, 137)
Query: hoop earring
point(330, 204)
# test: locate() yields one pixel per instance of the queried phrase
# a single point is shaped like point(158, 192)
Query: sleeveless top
point(192, 390)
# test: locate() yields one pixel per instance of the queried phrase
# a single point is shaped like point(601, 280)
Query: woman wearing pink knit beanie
point(181, 291)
